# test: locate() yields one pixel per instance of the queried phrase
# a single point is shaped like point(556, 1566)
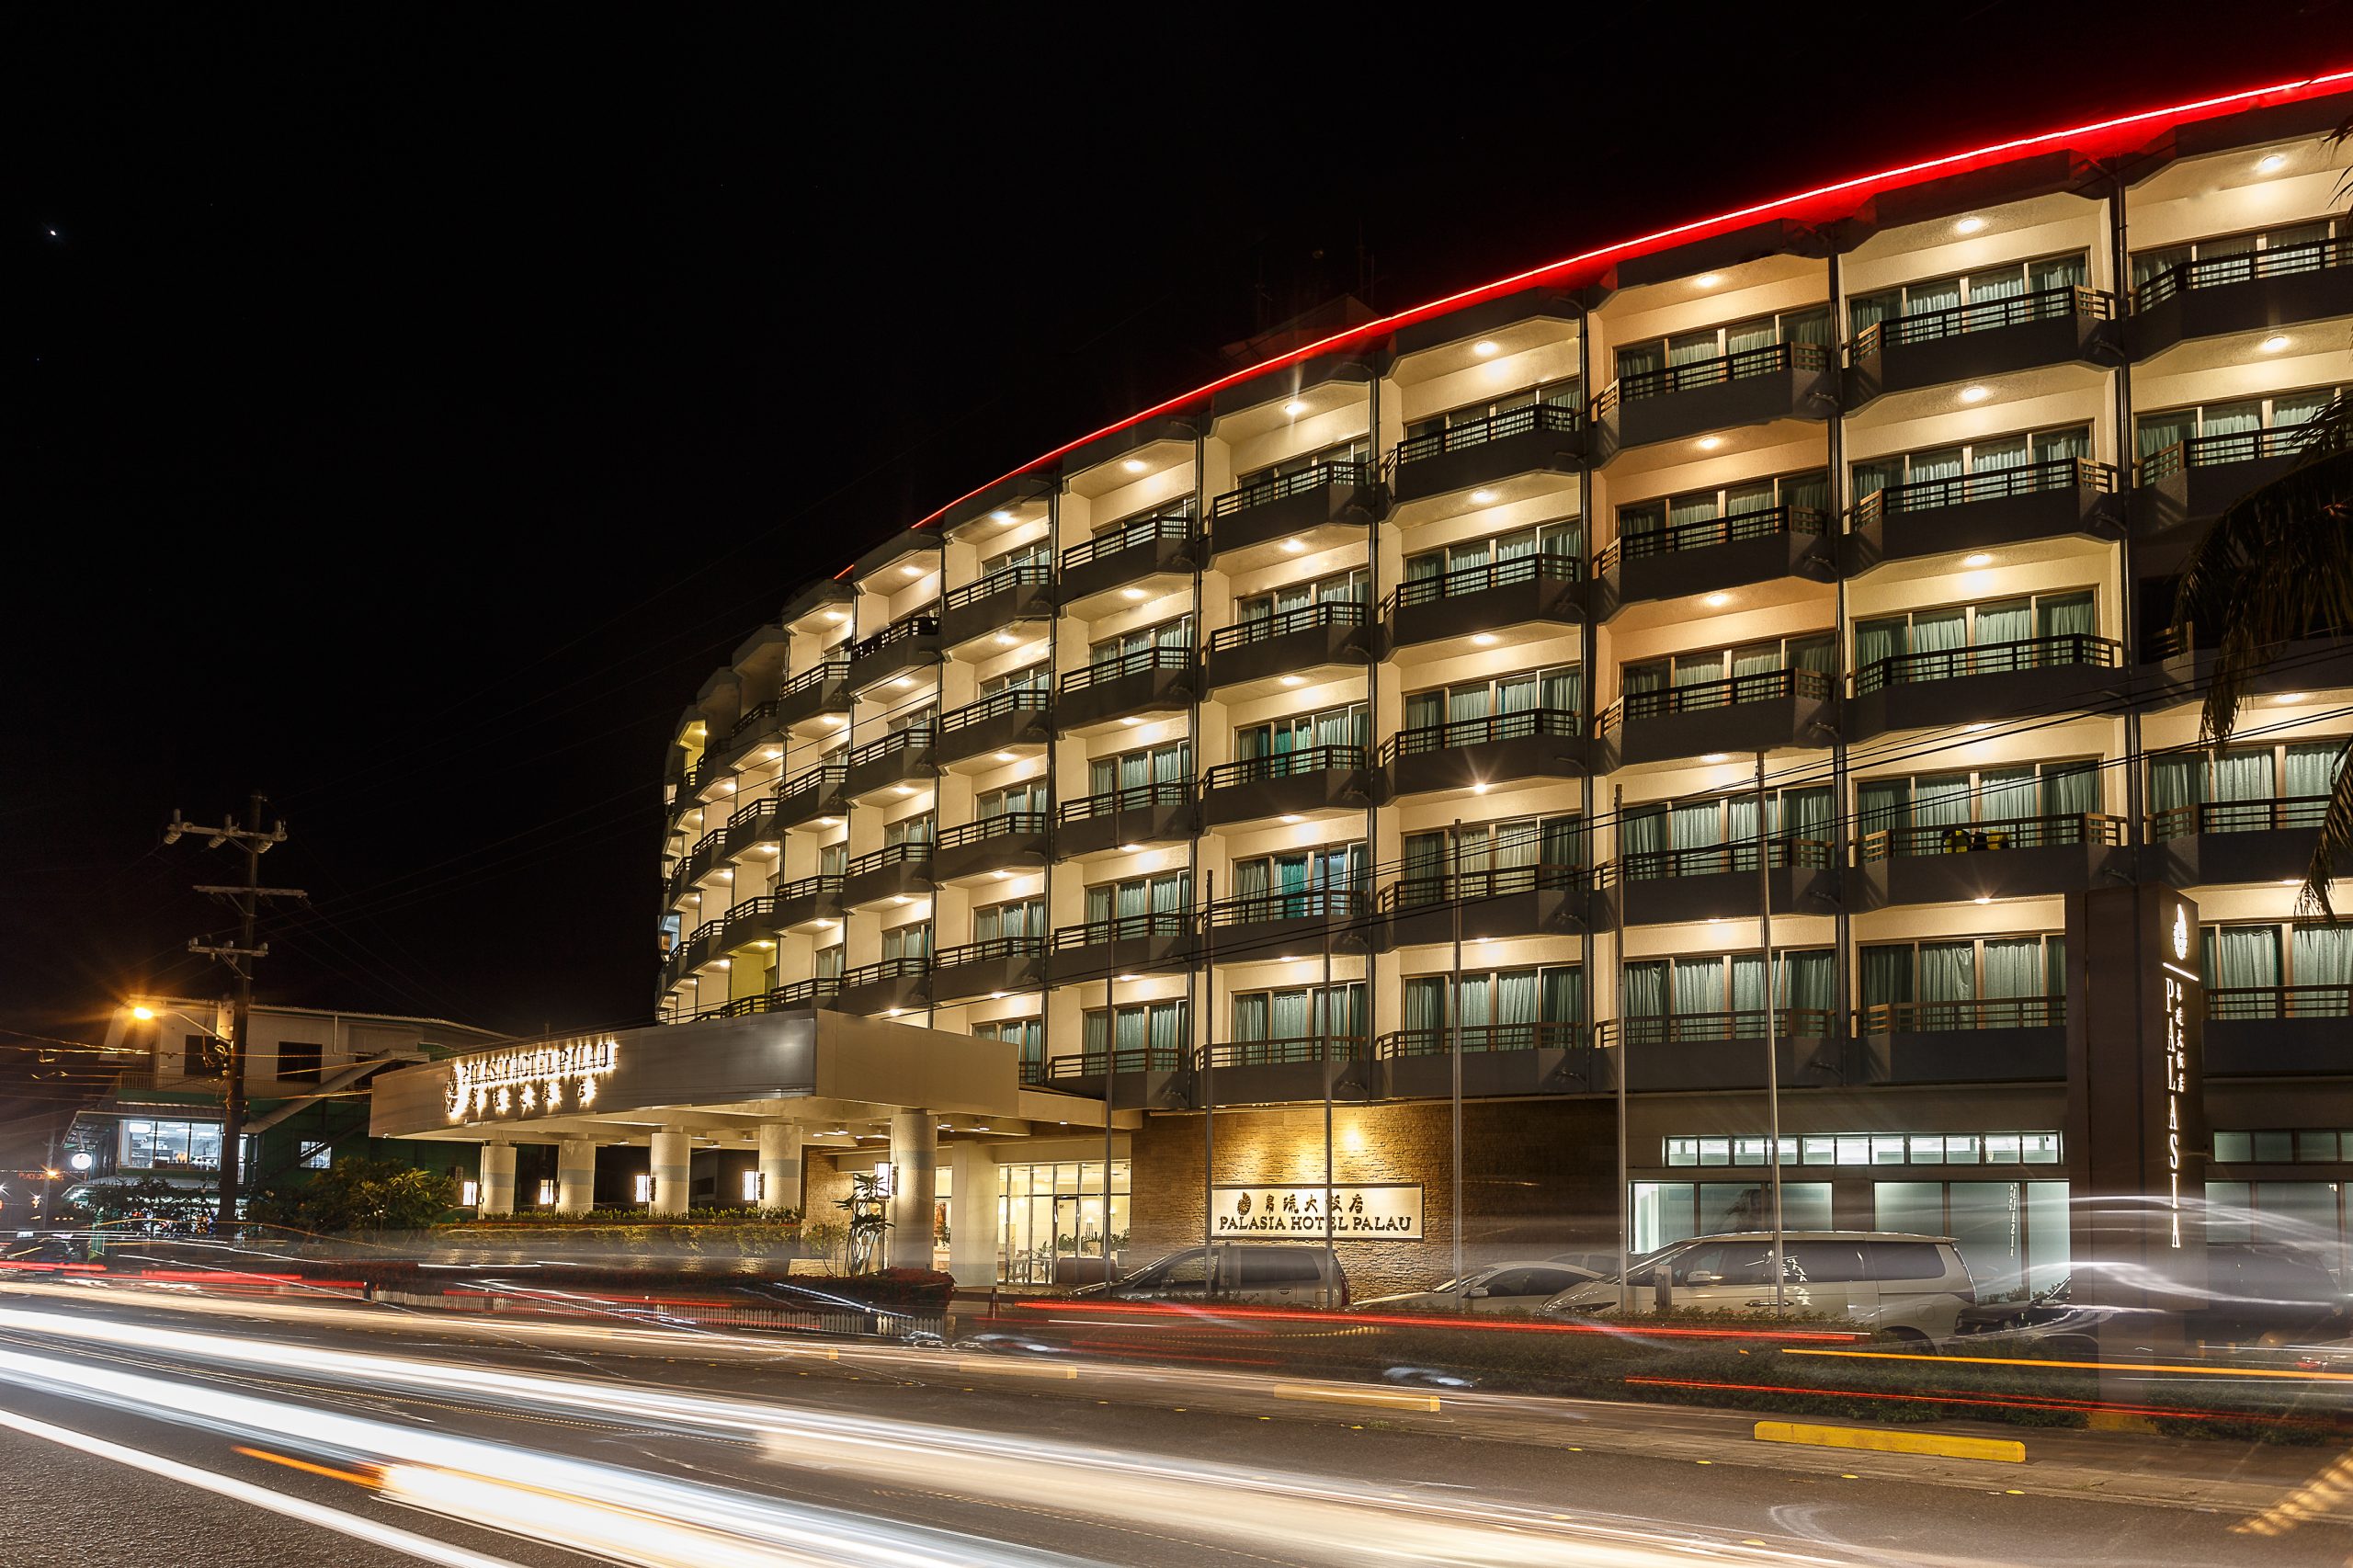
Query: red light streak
point(2083, 1404)
point(1379, 1320)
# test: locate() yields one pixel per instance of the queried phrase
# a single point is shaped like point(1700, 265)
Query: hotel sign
point(1391, 1213)
point(2181, 987)
point(533, 1080)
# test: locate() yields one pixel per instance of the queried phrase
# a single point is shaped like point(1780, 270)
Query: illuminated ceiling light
point(1006, 639)
point(1977, 729)
point(1134, 465)
point(1709, 443)
point(906, 789)
point(2290, 882)
point(889, 1013)
point(2273, 344)
point(1004, 876)
point(903, 682)
point(1131, 720)
point(1288, 958)
point(1294, 408)
point(1132, 594)
point(912, 569)
point(824, 925)
point(1291, 819)
point(1294, 680)
point(727, 786)
point(1480, 788)
point(996, 996)
point(772, 753)
point(1975, 394)
point(1486, 348)
point(1977, 557)
point(723, 963)
point(1130, 849)
point(1483, 496)
point(1717, 601)
point(836, 615)
point(2292, 697)
point(901, 898)
point(1708, 279)
point(2271, 162)
point(1294, 546)
point(1484, 639)
point(1004, 756)
point(764, 946)
point(829, 821)
point(1982, 898)
point(1125, 978)
point(1713, 756)
point(837, 720)
point(1715, 919)
point(1969, 225)
point(1001, 515)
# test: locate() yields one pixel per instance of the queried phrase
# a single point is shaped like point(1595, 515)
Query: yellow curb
point(2002, 1450)
point(1380, 1398)
point(1024, 1368)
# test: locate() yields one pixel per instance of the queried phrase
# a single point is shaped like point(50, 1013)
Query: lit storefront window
point(1669, 1212)
point(2308, 1216)
point(2012, 1235)
point(170, 1145)
point(1874, 1149)
point(1046, 1212)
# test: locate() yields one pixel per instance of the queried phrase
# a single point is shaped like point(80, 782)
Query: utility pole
point(255, 841)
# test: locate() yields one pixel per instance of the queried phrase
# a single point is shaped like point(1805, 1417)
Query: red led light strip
point(2100, 135)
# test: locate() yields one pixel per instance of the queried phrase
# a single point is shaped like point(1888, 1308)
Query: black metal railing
point(817, 781)
point(1425, 888)
point(1985, 316)
point(1560, 418)
point(907, 629)
point(1438, 1040)
point(906, 966)
point(2301, 813)
point(1004, 825)
point(1543, 566)
point(1283, 765)
point(1454, 733)
point(1092, 1065)
point(816, 676)
point(1278, 487)
point(754, 717)
point(1987, 659)
point(1305, 617)
point(1682, 1029)
point(1711, 859)
point(758, 912)
point(1985, 484)
point(1973, 1012)
point(1124, 927)
point(915, 737)
point(1335, 903)
point(1700, 697)
point(2009, 832)
point(1290, 1052)
point(819, 886)
point(913, 852)
point(989, 951)
point(2326, 1001)
point(2237, 446)
point(1174, 522)
point(2217, 271)
point(1706, 533)
point(1012, 700)
point(1159, 656)
point(1134, 798)
point(753, 822)
point(1003, 580)
point(1737, 366)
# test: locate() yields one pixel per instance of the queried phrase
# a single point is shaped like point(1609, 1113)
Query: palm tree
point(2277, 566)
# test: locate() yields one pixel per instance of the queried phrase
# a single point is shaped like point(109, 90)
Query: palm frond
point(2335, 838)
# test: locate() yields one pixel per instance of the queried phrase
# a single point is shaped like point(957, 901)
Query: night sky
point(404, 419)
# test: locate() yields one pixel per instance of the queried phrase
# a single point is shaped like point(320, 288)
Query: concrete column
point(914, 1178)
point(779, 1164)
point(575, 1176)
point(496, 1189)
point(673, 1155)
point(972, 1215)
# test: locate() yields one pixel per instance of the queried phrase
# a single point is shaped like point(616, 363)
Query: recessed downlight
point(1968, 226)
point(1486, 348)
point(1294, 408)
point(1717, 601)
point(1134, 465)
point(1483, 496)
point(1975, 395)
point(2273, 344)
point(1977, 557)
point(2271, 163)
point(1709, 443)
point(1294, 546)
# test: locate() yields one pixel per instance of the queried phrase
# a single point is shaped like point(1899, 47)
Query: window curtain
point(1989, 456)
point(1134, 770)
point(1637, 679)
point(1562, 998)
point(1424, 710)
point(1288, 1016)
point(1887, 975)
point(2014, 967)
point(1696, 826)
point(1466, 704)
point(1134, 899)
point(1941, 801)
point(1948, 976)
point(1642, 833)
point(1757, 659)
point(1425, 866)
point(1097, 1034)
point(2012, 621)
point(1098, 905)
point(1561, 691)
point(1425, 568)
point(1877, 640)
point(2060, 272)
point(1881, 804)
point(2071, 445)
point(1698, 987)
point(1815, 654)
point(1810, 981)
point(2176, 782)
point(2243, 774)
point(1171, 894)
point(1683, 511)
point(1564, 841)
point(1944, 462)
point(1251, 879)
point(1641, 360)
point(1128, 1029)
point(1167, 1031)
point(2158, 431)
point(1809, 490)
point(1806, 326)
point(1742, 336)
point(1992, 287)
point(1172, 763)
point(1517, 1005)
point(1516, 843)
point(1478, 1000)
point(1424, 1003)
point(1805, 815)
point(1516, 694)
point(1748, 983)
point(2070, 790)
point(2298, 408)
point(1740, 827)
point(1697, 669)
point(2068, 615)
point(2312, 769)
point(1867, 311)
point(1514, 546)
point(1689, 347)
point(2007, 795)
point(2245, 956)
point(1645, 989)
point(1343, 727)
point(1637, 526)
point(1934, 630)
point(1936, 294)
point(1250, 1017)
point(2323, 955)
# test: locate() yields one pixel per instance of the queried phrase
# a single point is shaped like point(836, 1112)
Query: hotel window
point(920, 828)
point(2246, 967)
point(1472, 712)
point(1030, 1034)
point(2024, 633)
point(1721, 996)
point(1157, 1027)
point(1296, 1014)
point(1992, 807)
point(1176, 634)
point(1169, 764)
point(1296, 883)
point(1719, 834)
point(1342, 726)
point(1872, 1149)
point(1273, 475)
point(1990, 982)
point(911, 942)
point(1503, 1009)
point(1029, 677)
point(1977, 299)
point(2233, 259)
point(2012, 1234)
point(2282, 1146)
point(1343, 587)
point(1652, 678)
point(1475, 563)
point(1988, 467)
point(1514, 855)
point(1039, 552)
point(827, 963)
point(2305, 1217)
point(833, 859)
point(900, 720)
point(1695, 518)
point(1669, 1212)
point(298, 1061)
point(1010, 921)
point(169, 1145)
point(2252, 788)
point(1430, 432)
point(2227, 432)
point(201, 1056)
point(1168, 896)
point(1740, 339)
point(1031, 795)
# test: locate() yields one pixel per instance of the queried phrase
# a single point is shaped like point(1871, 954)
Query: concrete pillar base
point(914, 1182)
point(575, 1176)
point(780, 1165)
point(496, 1189)
point(673, 1168)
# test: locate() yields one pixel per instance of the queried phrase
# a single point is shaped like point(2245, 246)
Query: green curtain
point(2007, 794)
point(2312, 769)
point(1806, 815)
point(1887, 975)
point(1172, 892)
point(1097, 1033)
point(1748, 983)
point(1564, 841)
point(1696, 826)
point(2012, 621)
point(1478, 1000)
point(1645, 989)
point(1637, 679)
point(1941, 801)
point(1697, 986)
point(1426, 1002)
point(1757, 659)
point(1936, 630)
point(1098, 905)
point(1288, 1016)
point(1168, 1031)
point(1810, 980)
point(1250, 1017)
point(1517, 998)
point(1424, 710)
point(2069, 445)
point(2178, 781)
point(1131, 1030)
point(2323, 955)
point(2246, 955)
point(1563, 1001)
point(2070, 789)
point(1643, 832)
point(1251, 879)
point(1947, 971)
point(2243, 774)
point(1697, 669)
point(1881, 804)
point(1103, 774)
point(1562, 689)
point(1877, 640)
point(2014, 967)
point(2067, 614)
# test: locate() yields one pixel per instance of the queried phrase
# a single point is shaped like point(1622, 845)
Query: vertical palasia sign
point(1389, 1212)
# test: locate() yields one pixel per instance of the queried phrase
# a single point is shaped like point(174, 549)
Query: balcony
point(2072, 672)
point(1724, 1051)
point(2194, 481)
point(1323, 497)
point(991, 847)
point(1142, 813)
point(1125, 943)
point(1150, 680)
point(1986, 510)
point(1718, 881)
point(818, 992)
point(1140, 1073)
point(1539, 438)
point(759, 722)
point(1994, 337)
point(896, 873)
point(2252, 1030)
point(1012, 718)
point(1496, 901)
point(902, 757)
point(753, 823)
point(1754, 386)
point(1265, 1072)
point(2236, 841)
point(1972, 862)
point(794, 906)
point(2181, 670)
point(1715, 553)
point(816, 792)
point(1766, 711)
point(1497, 1059)
point(1542, 590)
point(1292, 783)
point(1995, 1040)
point(890, 987)
point(984, 607)
point(1470, 754)
point(1284, 924)
point(996, 967)
point(1165, 544)
point(2247, 293)
point(818, 691)
point(909, 643)
point(1260, 650)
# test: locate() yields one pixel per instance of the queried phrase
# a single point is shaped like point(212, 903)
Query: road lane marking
point(2003, 1451)
point(1383, 1399)
point(1061, 1370)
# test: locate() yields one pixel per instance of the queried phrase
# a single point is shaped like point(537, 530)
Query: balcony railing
point(1174, 522)
point(811, 781)
point(1976, 1013)
point(1159, 656)
point(1700, 697)
point(915, 737)
point(1261, 628)
point(756, 912)
point(2214, 272)
point(1454, 733)
point(1036, 575)
point(814, 676)
point(1712, 859)
point(752, 822)
point(801, 993)
point(987, 951)
point(1290, 1052)
point(2238, 446)
point(1305, 903)
point(1004, 825)
point(2328, 1001)
point(1709, 531)
point(1558, 417)
point(1134, 798)
point(752, 718)
point(1545, 565)
point(915, 852)
point(904, 630)
point(1283, 765)
point(1013, 699)
point(808, 887)
point(2011, 833)
point(2302, 813)
point(1737, 366)
point(1683, 1029)
point(1954, 321)
point(1124, 927)
point(1315, 476)
point(1438, 1040)
point(906, 966)
point(1988, 659)
point(1421, 889)
point(1092, 1065)
point(1985, 484)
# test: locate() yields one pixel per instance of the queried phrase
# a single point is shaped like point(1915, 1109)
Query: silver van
point(1260, 1273)
point(1906, 1286)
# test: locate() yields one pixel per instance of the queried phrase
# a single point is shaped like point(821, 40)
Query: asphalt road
point(221, 1429)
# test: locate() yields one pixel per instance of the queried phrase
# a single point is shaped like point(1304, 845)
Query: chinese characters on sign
point(2176, 1067)
point(1302, 1214)
point(533, 1079)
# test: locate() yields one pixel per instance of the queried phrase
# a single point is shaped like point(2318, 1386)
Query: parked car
point(1914, 1286)
point(2254, 1294)
point(1259, 1273)
point(1516, 1287)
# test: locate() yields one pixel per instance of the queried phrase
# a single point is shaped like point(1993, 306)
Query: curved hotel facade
point(1189, 765)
